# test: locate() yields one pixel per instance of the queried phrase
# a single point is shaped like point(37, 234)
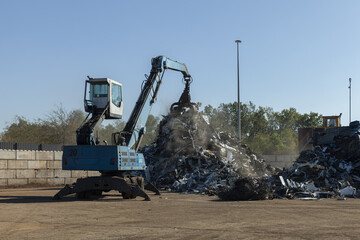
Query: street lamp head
point(238, 41)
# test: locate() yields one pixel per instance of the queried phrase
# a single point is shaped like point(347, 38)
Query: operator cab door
point(116, 102)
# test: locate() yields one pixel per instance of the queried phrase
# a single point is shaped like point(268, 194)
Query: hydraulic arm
point(135, 127)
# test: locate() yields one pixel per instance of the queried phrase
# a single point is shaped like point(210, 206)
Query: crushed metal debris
point(189, 156)
point(319, 170)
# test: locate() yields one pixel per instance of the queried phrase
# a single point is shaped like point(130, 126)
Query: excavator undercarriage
point(128, 185)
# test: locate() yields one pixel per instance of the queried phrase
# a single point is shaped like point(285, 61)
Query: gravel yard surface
point(30, 213)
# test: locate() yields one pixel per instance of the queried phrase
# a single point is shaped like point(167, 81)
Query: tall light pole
point(349, 100)
point(238, 90)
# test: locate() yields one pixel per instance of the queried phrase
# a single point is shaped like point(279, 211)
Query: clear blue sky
point(294, 53)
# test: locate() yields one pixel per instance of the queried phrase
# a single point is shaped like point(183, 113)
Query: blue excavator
point(103, 100)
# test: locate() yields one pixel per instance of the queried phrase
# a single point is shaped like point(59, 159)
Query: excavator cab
point(103, 94)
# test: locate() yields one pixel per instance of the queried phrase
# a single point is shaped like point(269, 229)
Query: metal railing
point(31, 146)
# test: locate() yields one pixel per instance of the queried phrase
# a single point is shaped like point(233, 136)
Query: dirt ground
point(30, 213)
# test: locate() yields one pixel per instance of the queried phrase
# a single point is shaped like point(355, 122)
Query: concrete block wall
point(19, 167)
point(280, 161)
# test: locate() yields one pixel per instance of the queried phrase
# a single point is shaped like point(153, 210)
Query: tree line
point(59, 127)
point(262, 129)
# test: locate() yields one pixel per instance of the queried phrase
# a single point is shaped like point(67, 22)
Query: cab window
point(330, 122)
point(99, 90)
point(116, 95)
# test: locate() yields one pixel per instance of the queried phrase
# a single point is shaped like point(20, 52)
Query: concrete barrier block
point(78, 174)
point(288, 165)
point(93, 173)
point(25, 155)
point(21, 164)
point(3, 182)
point(25, 173)
point(282, 158)
point(50, 164)
point(62, 173)
point(291, 158)
point(281, 164)
point(53, 164)
point(70, 180)
point(57, 164)
point(37, 164)
point(58, 155)
point(56, 181)
point(3, 164)
point(44, 173)
point(7, 173)
point(17, 182)
point(11, 164)
point(269, 158)
point(7, 154)
point(37, 181)
point(42, 155)
point(17, 164)
point(277, 164)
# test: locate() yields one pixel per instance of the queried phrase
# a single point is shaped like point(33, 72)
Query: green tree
point(152, 129)
point(104, 132)
point(263, 129)
point(59, 127)
point(310, 120)
point(21, 130)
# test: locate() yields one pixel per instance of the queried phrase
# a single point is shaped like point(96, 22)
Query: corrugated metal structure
point(31, 146)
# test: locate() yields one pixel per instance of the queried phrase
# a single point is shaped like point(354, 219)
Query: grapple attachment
point(184, 102)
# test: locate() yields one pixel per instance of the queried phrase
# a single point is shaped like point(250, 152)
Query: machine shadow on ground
point(71, 198)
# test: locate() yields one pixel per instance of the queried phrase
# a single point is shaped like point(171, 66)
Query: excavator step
point(129, 186)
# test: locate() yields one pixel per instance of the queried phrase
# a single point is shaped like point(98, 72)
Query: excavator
point(103, 100)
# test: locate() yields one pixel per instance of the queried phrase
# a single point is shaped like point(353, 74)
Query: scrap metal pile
point(323, 171)
point(189, 156)
point(331, 169)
